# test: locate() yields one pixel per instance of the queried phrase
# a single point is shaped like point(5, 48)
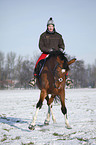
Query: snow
point(17, 108)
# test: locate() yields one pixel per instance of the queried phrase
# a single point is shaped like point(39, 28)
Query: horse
point(52, 81)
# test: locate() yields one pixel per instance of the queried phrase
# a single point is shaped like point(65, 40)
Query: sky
point(23, 21)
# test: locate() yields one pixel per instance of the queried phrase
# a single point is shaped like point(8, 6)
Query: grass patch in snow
point(16, 138)
point(6, 129)
point(30, 143)
point(4, 138)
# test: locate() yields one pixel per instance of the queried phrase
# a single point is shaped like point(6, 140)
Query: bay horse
point(52, 81)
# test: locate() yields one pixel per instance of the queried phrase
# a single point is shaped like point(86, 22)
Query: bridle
point(55, 75)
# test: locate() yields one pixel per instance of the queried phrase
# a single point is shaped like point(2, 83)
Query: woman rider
point(49, 41)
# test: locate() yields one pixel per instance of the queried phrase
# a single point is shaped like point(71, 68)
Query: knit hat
point(50, 22)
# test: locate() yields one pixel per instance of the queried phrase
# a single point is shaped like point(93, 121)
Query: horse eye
point(63, 70)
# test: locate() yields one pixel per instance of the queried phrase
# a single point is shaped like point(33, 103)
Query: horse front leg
point(32, 124)
point(50, 112)
point(64, 109)
point(43, 94)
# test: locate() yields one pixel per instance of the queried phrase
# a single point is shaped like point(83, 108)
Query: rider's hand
point(52, 49)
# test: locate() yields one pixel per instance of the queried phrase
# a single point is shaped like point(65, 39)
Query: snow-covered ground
point(18, 106)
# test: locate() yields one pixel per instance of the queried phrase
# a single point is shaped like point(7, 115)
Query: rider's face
point(50, 28)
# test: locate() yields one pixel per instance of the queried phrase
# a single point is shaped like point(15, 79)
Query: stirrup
point(32, 82)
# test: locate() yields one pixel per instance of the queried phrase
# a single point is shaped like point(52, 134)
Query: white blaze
point(63, 70)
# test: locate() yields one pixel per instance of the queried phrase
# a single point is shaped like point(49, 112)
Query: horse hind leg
point(53, 117)
point(49, 103)
point(50, 112)
point(47, 120)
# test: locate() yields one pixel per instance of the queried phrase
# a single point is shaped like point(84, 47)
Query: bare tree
point(1, 69)
point(78, 74)
point(93, 76)
point(10, 66)
point(22, 70)
point(26, 72)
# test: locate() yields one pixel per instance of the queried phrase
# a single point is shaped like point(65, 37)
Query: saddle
point(40, 67)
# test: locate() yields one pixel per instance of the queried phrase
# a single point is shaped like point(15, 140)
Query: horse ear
point(71, 61)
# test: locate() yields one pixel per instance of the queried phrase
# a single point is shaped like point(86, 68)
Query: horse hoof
point(68, 127)
point(31, 127)
point(54, 121)
point(46, 122)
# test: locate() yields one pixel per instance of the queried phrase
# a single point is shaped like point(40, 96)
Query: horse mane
point(61, 55)
point(58, 53)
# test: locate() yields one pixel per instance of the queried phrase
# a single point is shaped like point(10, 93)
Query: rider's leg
point(32, 82)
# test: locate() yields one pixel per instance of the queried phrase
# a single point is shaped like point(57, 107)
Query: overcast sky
point(23, 21)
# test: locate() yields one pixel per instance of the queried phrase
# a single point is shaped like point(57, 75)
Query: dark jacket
point(51, 40)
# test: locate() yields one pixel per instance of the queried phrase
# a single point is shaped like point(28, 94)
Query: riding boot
point(32, 82)
point(69, 82)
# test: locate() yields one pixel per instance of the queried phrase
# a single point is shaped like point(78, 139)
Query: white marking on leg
point(66, 122)
point(53, 117)
point(50, 112)
point(48, 115)
point(35, 117)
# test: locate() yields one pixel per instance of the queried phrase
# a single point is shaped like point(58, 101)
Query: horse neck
point(54, 62)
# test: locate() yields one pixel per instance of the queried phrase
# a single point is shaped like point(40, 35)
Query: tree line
point(16, 71)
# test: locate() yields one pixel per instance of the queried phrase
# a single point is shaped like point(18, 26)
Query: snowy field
point(18, 106)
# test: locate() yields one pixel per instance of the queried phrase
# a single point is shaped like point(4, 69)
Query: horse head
point(63, 61)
